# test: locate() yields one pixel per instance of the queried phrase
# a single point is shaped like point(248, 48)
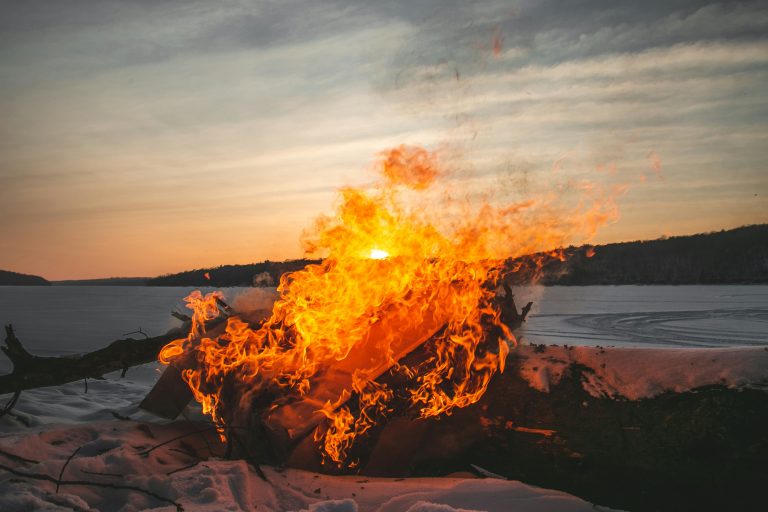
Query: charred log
point(290, 427)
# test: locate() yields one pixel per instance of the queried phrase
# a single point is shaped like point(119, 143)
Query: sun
point(378, 254)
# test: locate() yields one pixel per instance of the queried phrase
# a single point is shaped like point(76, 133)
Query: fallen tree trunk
point(31, 371)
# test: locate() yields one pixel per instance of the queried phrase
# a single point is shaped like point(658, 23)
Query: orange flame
point(392, 278)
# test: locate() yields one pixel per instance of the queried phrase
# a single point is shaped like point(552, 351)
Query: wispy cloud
point(214, 132)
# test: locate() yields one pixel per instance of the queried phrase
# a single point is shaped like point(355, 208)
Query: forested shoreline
point(735, 256)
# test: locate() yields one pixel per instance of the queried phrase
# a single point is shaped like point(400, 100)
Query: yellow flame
point(338, 325)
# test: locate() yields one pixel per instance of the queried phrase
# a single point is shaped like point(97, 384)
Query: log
point(170, 395)
point(290, 427)
point(293, 421)
point(289, 423)
point(30, 371)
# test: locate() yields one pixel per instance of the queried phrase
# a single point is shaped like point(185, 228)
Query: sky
point(142, 137)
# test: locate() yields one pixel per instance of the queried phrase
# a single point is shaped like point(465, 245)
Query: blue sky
point(140, 137)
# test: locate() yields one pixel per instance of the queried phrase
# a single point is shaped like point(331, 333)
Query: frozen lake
point(64, 319)
point(675, 316)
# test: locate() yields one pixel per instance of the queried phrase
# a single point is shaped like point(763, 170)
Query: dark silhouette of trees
point(9, 278)
point(725, 257)
point(253, 274)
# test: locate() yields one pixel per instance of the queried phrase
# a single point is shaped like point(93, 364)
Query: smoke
point(254, 299)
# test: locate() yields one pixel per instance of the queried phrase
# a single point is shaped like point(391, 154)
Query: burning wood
point(402, 314)
point(392, 282)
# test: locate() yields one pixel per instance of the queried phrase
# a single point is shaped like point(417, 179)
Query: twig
point(61, 473)
point(213, 428)
point(205, 439)
point(11, 403)
point(138, 331)
point(249, 458)
point(169, 441)
point(85, 380)
point(189, 466)
point(188, 452)
point(116, 475)
point(18, 458)
point(181, 316)
point(47, 478)
point(225, 308)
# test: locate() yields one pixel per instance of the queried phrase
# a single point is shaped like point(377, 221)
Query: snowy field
point(47, 425)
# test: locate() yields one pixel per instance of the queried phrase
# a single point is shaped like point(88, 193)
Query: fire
point(378, 254)
point(338, 326)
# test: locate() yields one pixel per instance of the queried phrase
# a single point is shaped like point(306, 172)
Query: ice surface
point(682, 316)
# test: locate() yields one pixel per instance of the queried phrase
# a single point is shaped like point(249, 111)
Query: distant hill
point(107, 281)
point(8, 278)
point(725, 257)
point(266, 273)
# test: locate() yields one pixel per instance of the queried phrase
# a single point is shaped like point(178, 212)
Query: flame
point(378, 254)
point(394, 277)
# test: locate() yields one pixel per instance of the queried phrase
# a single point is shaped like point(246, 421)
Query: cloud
point(135, 118)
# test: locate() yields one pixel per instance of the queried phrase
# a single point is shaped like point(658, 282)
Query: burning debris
point(408, 319)
point(407, 314)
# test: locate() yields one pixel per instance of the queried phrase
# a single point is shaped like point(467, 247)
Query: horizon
point(143, 138)
point(215, 265)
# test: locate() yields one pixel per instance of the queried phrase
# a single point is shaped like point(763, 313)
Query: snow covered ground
point(49, 424)
point(636, 373)
point(121, 454)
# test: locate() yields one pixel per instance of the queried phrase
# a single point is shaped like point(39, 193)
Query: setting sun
point(378, 254)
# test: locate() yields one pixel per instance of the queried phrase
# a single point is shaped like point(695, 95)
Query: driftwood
point(30, 371)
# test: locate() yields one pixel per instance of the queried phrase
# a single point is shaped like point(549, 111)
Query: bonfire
point(407, 314)
point(398, 355)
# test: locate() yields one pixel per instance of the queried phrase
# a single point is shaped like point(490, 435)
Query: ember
point(394, 278)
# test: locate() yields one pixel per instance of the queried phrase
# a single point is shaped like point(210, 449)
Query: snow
point(115, 452)
point(635, 373)
point(654, 328)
